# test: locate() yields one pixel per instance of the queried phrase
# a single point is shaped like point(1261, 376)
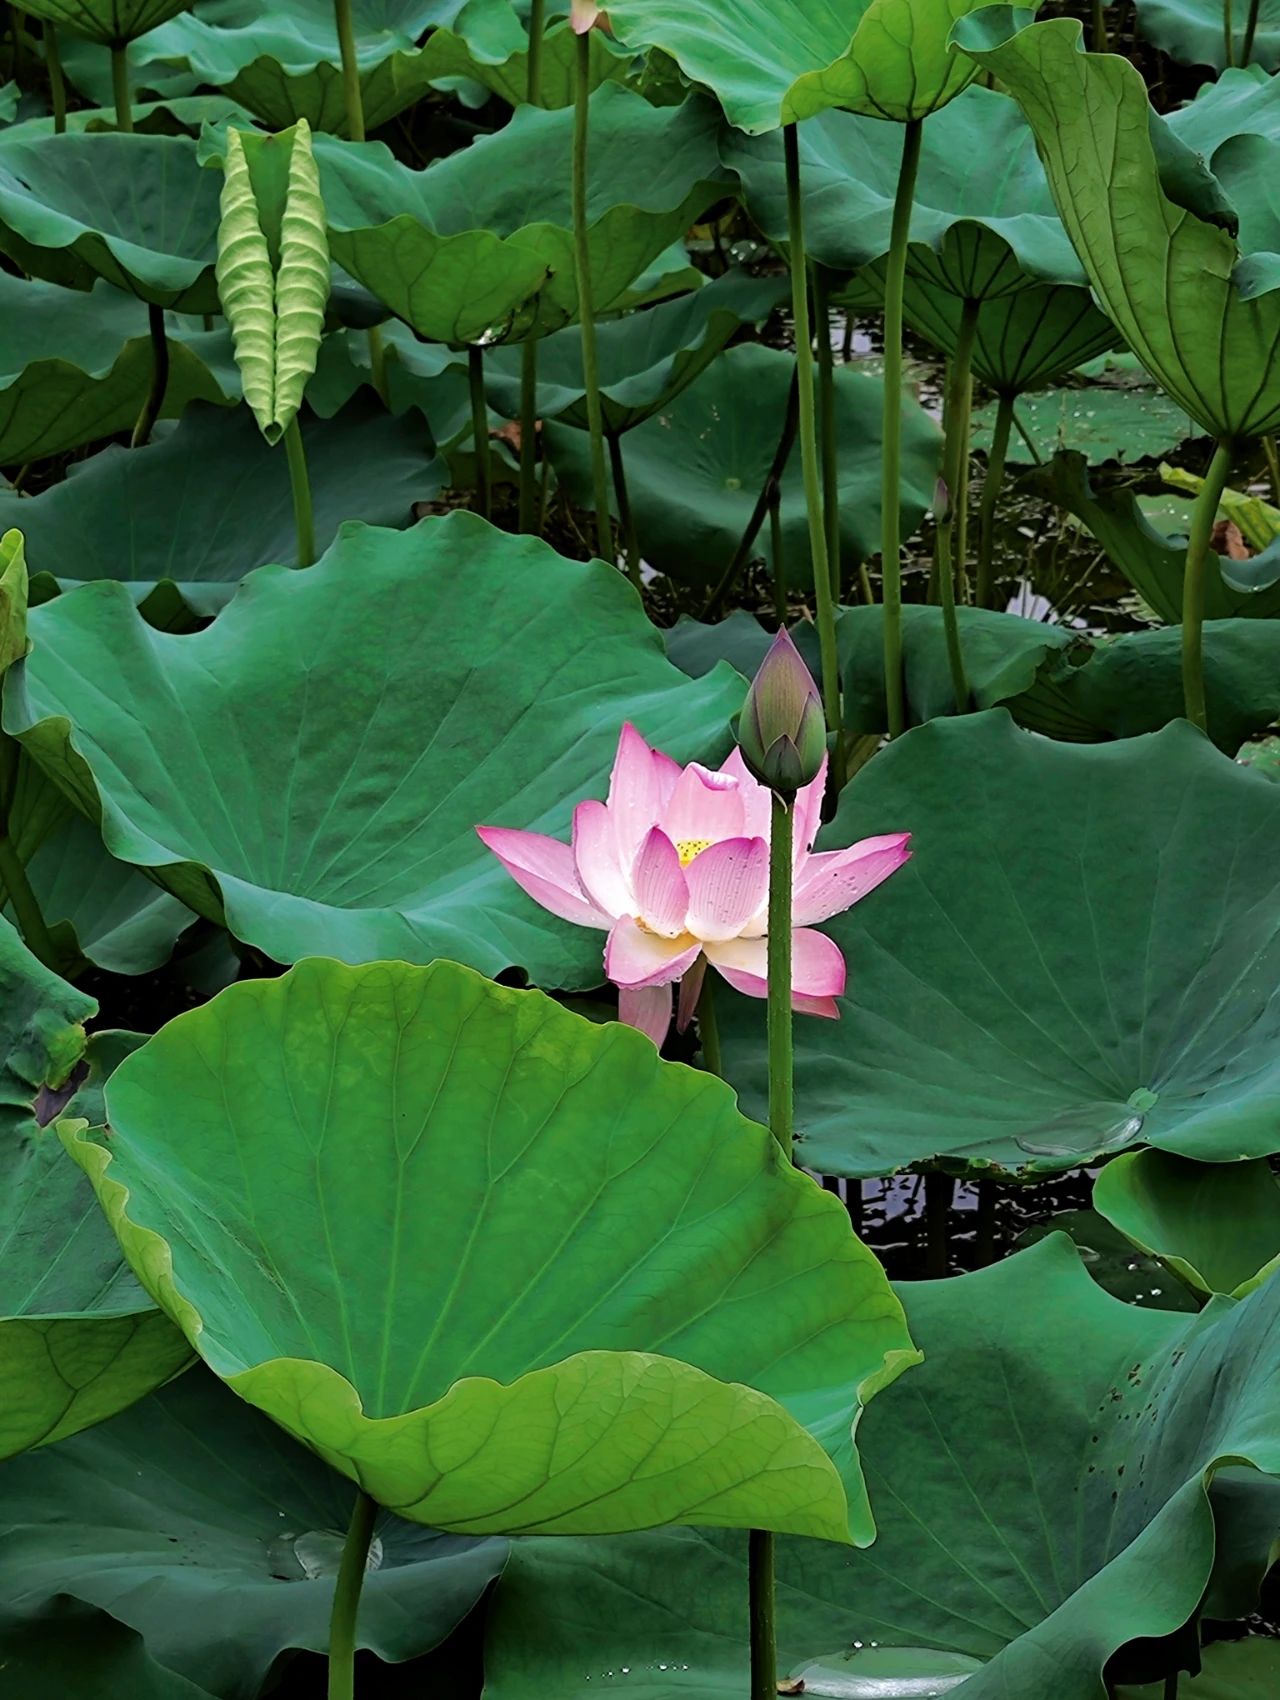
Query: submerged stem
point(159, 378)
point(582, 259)
point(480, 429)
point(120, 87)
point(300, 485)
point(764, 1648)
point(1203, 514)
point(996, 459)
point(346, 1598)
point(626, 517)
point(352, 97)
point(891, 436)
point(823, 605)
point(57, 82)
point(528, 434)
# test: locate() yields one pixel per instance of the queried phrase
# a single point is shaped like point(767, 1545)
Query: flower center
point(688, 848)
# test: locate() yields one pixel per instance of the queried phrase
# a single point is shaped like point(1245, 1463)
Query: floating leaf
point(1102, 422)
point(1068, 965)
point(1192, 32)
point(343, 820)
point(476, 1344)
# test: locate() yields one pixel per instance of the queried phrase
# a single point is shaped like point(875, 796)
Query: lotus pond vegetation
point(639, 820)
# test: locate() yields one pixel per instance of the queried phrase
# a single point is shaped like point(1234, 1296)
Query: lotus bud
point(586, 14)
point(782, 732)
point(941, 502)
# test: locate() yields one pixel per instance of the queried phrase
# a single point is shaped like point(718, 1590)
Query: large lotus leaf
point(195, 1521)
point(739, 639)
point(1080, 956)
point(696, 469)
point(74, 371)
point(645, 359)
point(1146, 218)
point(79, 1339)
point(479, 246)
point(1102, 421)
point(1192, 32)
point(385, 1214)
point(112, 22)
point(202, 505)
point(1024, 339)
point(1063, 683)
point(72, 1649)
point(774, 62)
point(343, 820)
point(1233, 1670)
point(1152, 562)
point(1043, 1489)
point(1217, 1225)
point(136, 210)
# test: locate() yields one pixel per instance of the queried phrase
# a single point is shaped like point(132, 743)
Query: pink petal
point(641, 781)
point(817, 968)
point(690, 992)
point(595, 855)
point(658, 881)
point(755, 798)
point(834, 880)
point(648, 1008)
point(583, 14)
point(704, 807)
point(728, 884)
point(633, 957)
point(808, 811)
point(544, 868)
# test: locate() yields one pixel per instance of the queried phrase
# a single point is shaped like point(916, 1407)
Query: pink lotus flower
point(584, 14)
point(675, 867)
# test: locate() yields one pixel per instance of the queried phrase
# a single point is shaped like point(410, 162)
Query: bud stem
point(780, 1046)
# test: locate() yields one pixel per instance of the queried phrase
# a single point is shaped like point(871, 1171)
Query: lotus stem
point(1250, 30)
point(985, 1232)
point(950, 622)
point(480, 429)
point(300, 485)
point(996, 461)
point(57, 82)
point(626, 515)
point(955, 472)
point(352, 98)
point(780, 1048)
point(964, 427)
point(346, 1598)
point(586, 310)
point(159, 378)
point(1228, 34)
point(1171, 1686)
point(1098, 27)
point(764, 1645)
point(709, 1027)
point(1273, 465)
point(891, 437)
point(778, 554)
point(939, 1190)
point(827, 424)
point(378, 362)
point(120, 87)
point(1203, 514)
point(824, 607)
point(772, 482)
point(528, 434)
point(537, 28)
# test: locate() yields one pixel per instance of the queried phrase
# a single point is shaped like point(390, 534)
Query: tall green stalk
point(586, 310)
point(996, 460)
point(779, 969)
point(537, 30)
point(824, 607)
point(480, 430)
point(964, 427)
point(159, 378)
point(761, 1606)
point(352, 97)
point(529, 348)
point(346, 1599)
point(120, 88)
point(891, 436)
point(1203, 514)
point(626, 515)
point(947, 596)
point(1228, 35)
point(955, 472)
point(57, 82)
point(827, 424)
point(1250, 30)
point(300, 486)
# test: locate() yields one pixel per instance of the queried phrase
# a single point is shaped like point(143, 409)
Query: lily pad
point(1103, 422)
point(479, 246)
point(695, 470)
point(696, 646)
point(71, 1649)
point(112, 22)
point(774, 62)
point(187, 517)
point(478, 1364)
point(1217, 1225)
point(1114, 1262)
point(195, 1521)
point(343, 821)
point(1023, 339)
point(1046, 1484)
point(1070, 964)
point(74, 371)
point(1192, 32)
point(136, 210)
point(1147, 218)
point(79, 1339)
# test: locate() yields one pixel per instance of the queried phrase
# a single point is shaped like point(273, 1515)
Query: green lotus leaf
point(200, 1525)
point(1068, 965)
point(112, 22)
point(1145, 216)
point(1120, 422)
point(646, 359)
point(1216, 1225)
point(73, 372)
point(696, 469)
point(1151, 562)
point(183, 520)
point(774, 62)
point(136, 210)
point(79, 1339)
point(72, 1649)
point(1049, 1484)
point(1233, 1670)
point(479, 247)
point(477, 1364)
point(1258, 521)
point(1193, 32)
point(1024, 339)
point(273, 269)
point(1114, 1262)
point(696, 646)
point(344, 820)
